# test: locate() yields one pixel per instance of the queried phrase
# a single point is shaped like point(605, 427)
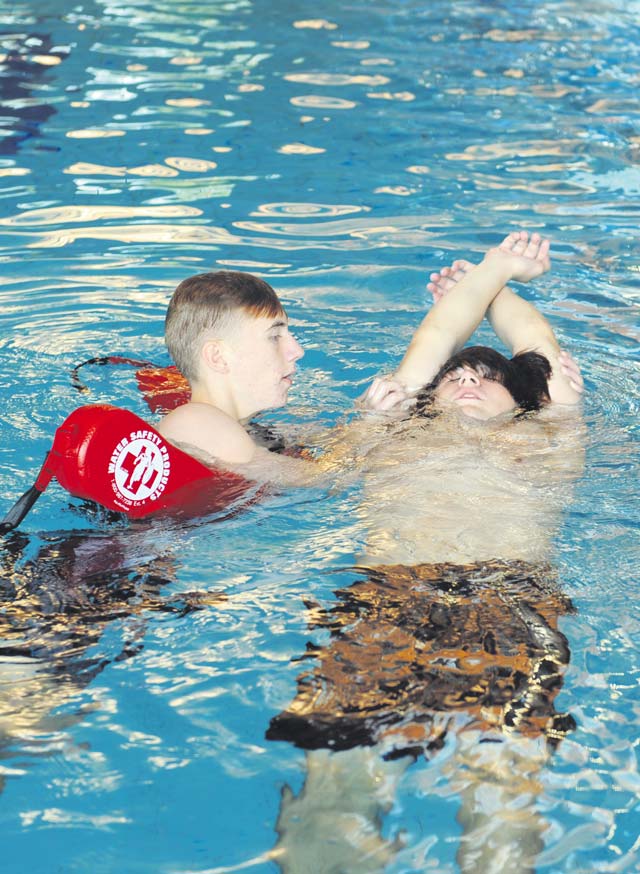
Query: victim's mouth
point(468, 394)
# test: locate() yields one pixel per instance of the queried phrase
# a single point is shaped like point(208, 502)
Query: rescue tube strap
point(163, 388)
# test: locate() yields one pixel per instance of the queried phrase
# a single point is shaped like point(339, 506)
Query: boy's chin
point(476, 414)
point(481, 414)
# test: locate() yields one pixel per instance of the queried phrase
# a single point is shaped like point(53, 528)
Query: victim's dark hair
point(525, 376)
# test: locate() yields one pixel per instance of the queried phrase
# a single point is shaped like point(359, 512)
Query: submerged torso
point(446, 490)
point(453, 615)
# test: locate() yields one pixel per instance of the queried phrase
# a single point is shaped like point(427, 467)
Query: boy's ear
point(215, 355)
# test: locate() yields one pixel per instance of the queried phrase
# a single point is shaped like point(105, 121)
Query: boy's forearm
point(452, 320)
point(519, 325)
point(523, 329)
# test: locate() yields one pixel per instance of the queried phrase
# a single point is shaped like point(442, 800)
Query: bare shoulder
point(208, 430)
point(554, 438)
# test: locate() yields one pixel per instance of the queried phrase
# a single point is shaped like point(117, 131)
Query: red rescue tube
point(163, 388)
point(111, 456)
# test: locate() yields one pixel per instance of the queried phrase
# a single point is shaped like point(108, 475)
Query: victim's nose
point(469, 377)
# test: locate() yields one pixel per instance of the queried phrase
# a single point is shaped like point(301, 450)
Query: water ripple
point(341, 79)
point(58, 214)
point(307, 210)
point(317, 101)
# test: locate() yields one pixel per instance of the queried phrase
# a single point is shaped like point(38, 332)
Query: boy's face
point(477, 396)
point(262, 362)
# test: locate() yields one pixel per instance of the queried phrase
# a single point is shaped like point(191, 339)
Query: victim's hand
point(441, 283)
point(528, 255)
point(571, 370)
point(386, 394)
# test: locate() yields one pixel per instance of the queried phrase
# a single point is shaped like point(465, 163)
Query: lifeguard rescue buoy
point(163, 388)
point(111, 456)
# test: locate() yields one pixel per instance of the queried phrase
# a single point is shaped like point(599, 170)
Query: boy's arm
point(214, 438)
point(207, 433)
point(455, 316)
point(523, 329)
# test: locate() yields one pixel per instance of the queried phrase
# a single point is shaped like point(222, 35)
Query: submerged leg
point(334, 825)
point(499, 784)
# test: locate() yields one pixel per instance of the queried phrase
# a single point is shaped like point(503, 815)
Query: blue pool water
point(342, 151)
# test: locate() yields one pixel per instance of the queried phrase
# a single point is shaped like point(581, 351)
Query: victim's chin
point(476, 413)
point(482, 414)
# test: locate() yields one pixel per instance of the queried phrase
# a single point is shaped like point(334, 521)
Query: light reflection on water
point(343, 158)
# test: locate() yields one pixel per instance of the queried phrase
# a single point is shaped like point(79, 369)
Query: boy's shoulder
point(208, 430)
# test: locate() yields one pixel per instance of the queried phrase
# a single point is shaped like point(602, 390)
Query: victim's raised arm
point(455, 316)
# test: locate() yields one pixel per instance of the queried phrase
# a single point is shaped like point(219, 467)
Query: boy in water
point(449, 637)
point(463, 295)
point(228, 334)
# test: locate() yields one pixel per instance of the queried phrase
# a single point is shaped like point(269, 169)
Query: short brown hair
point(203, 302)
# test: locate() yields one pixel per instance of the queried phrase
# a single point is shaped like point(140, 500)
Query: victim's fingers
point(510, 241)
point(533, 246)
point(521, 243)
point(440, 284)
point(538, 249)
point(571, 370)
point(543, 251)
point(383, 394)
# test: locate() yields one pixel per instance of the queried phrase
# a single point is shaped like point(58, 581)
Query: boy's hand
point(528, 256)
point(571, 370)
point(441, 283)
point(386, 394)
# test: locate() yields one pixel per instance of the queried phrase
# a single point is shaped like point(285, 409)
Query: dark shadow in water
point(23, 108)
point(420, 657)
point(59, 593)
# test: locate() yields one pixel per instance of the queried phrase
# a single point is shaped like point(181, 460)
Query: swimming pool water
point(342, 151)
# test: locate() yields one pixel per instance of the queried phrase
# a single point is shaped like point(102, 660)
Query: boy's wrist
point(502, 263)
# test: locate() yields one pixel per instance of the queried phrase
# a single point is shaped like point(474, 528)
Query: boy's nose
point(295, 350)
point(469, 376)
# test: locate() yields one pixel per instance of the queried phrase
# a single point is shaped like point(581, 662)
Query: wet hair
point(525, 376)
point(206, 302)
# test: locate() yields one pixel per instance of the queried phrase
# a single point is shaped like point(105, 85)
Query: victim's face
point(475, 394)
point(263, 362)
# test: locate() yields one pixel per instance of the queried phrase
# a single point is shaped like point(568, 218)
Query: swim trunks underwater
point(414, 649)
